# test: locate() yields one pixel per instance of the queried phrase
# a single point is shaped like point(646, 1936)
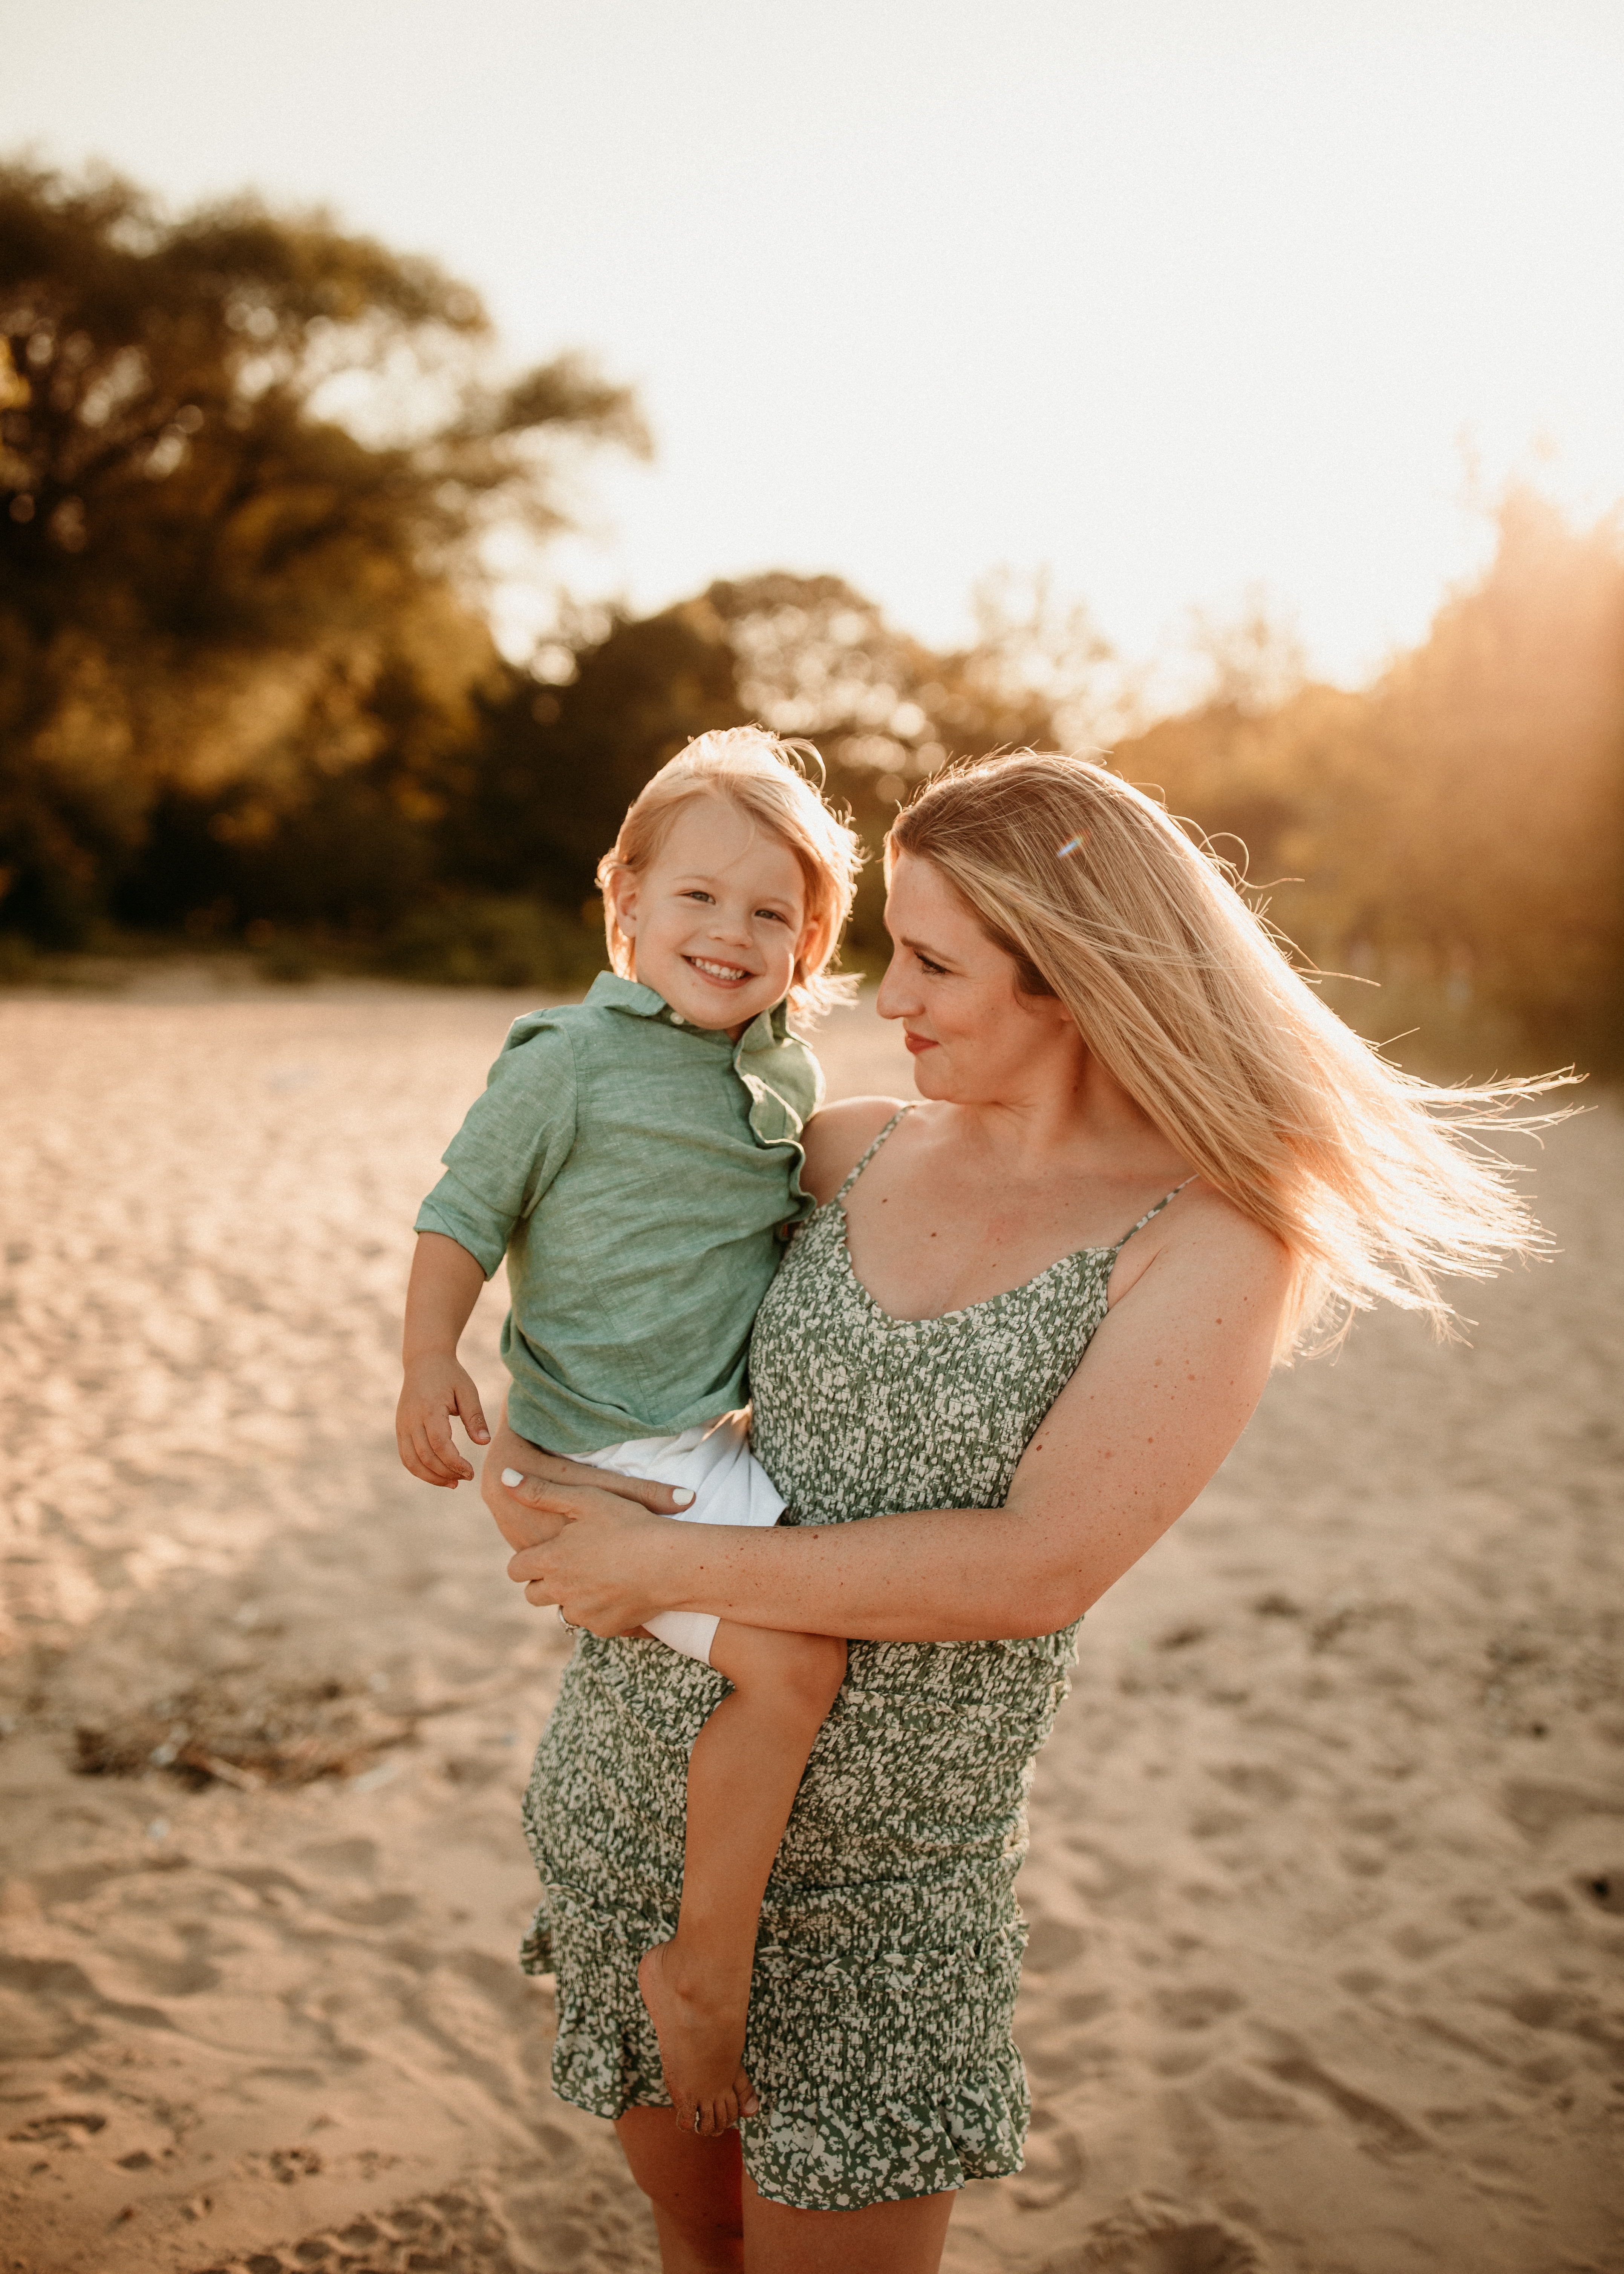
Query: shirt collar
point(610, 992)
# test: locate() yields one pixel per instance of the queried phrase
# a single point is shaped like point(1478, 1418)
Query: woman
point(1029, 1321)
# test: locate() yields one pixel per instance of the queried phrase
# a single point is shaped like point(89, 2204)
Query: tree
point(816, 657)
point(1456, 830)
point(542, 794)
point(1502, 741)
point(248, 463)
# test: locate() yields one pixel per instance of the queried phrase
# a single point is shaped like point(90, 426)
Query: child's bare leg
point(742, 1777)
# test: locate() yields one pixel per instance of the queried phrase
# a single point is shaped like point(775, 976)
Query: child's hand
point(433, 1391)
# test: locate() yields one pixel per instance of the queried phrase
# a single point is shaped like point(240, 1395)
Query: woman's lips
point(917, 1042)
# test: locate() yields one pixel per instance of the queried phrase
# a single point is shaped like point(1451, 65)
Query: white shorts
point(729, 1485)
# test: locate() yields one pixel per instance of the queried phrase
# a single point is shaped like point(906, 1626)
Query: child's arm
point(444, 1286)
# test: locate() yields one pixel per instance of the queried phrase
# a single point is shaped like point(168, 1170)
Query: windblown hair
point(765, 777)
point(1378, 1183)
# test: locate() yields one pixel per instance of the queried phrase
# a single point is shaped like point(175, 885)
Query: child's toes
point(744, 2094)
point(717, 2116)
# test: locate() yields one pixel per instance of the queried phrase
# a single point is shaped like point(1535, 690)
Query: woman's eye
point(925, 964)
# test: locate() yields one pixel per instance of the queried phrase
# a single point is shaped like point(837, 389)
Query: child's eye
point(695, 893)
point(775, 916)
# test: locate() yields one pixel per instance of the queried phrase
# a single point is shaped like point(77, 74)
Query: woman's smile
point(918, 1042)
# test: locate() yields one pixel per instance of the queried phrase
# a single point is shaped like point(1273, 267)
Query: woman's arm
point(1164, 1390)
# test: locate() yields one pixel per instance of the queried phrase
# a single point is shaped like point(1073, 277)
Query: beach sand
point(1326, 1878)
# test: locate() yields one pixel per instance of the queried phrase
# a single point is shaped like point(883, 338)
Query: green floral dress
point(888, 1955)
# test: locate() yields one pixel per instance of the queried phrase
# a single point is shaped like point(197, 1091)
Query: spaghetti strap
point(1149, 1212)
point(869, 1156)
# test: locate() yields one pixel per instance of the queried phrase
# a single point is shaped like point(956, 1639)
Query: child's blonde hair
point(1377, 1182)
point(765, 777)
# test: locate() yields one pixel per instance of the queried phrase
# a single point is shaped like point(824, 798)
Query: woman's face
point(974, 1037)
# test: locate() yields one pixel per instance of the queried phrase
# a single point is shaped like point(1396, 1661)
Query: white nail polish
point(681, 1495)
point(511, 1477)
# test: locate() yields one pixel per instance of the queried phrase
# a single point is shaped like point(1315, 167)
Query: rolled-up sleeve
point(517, 1137)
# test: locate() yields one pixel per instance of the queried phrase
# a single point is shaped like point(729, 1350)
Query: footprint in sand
point(456, 2233)
point(1197, 2007)
point(1054, 2167)
point(1606, 1890)
point(58, 2131)
point(1149, 2236)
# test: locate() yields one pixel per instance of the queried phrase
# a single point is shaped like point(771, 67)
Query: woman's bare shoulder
point(1202, 1230)
point(837, 1138)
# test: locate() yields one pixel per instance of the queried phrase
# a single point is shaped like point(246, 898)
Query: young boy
point(636, 1158)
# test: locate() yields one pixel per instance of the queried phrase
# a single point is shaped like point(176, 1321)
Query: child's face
point(717, 918)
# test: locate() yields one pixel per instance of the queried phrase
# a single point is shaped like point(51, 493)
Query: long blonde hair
point(1374, 1180)
point(767, 779)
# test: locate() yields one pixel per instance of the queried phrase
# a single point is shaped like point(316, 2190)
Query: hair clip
point(1073, 844)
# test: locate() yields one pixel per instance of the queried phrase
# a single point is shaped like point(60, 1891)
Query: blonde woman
point(1029, 1318)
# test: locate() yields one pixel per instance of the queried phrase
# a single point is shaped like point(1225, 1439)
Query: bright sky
point(1176, 296)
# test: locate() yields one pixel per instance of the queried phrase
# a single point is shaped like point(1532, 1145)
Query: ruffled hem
point(817, 2158)
point(880, 2079)
point(605, 2057)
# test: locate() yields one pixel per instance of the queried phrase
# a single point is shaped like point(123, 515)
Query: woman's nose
point(896, 1000)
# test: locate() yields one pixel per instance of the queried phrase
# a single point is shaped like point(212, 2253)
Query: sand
point(1326, 1882)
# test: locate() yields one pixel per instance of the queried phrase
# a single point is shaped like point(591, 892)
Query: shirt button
point(677, 1019)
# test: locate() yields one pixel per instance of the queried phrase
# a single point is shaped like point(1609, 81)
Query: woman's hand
point(524, 1521)
point(601, 1564)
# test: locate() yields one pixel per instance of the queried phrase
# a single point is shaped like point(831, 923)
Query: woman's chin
point(931, 1076)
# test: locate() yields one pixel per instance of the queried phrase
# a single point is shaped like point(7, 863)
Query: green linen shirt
point(637, 1173)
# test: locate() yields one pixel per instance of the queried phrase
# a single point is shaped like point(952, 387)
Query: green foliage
point(488, 941)
point(1456, 833)
point(539, 797)
point(817, 659)
point(245, 462)
point(246, 689)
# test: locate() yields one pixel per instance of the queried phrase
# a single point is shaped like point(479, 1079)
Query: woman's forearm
point(1126, 1446)
point(934, 1575)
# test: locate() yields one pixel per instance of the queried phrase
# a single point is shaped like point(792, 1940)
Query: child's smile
point(717, 918)
point(729, 974)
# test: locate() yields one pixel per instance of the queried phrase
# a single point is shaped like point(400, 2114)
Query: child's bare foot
point(700, 2041)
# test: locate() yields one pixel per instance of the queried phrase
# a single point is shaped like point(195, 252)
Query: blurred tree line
point(248, 691)
point(1455, 831)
